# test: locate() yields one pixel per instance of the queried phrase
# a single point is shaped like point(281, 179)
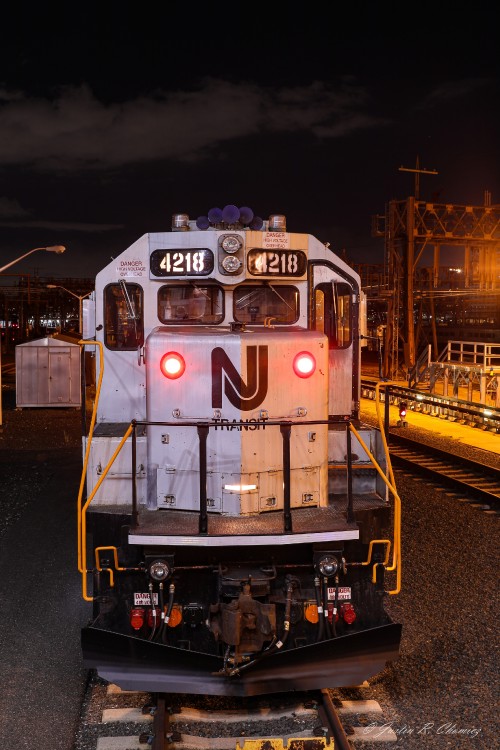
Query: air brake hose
point(153, 611)
point(162, 610)
point(171, 592)
point(328, 632)
point(335, 607)
point(288, 611)
point(319, 605)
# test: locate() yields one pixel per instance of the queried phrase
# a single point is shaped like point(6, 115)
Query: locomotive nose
point(237, 381)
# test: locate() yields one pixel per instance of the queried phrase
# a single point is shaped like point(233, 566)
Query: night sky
point(114, 116)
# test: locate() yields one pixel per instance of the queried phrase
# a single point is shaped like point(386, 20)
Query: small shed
point(48, 372)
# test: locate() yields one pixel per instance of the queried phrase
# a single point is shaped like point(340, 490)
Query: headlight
point(159, 570)
point(231, 264)
point(231, 243)
point(327, 566)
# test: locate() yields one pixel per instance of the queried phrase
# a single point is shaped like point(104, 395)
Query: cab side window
point(333, 313)
point(123, 316)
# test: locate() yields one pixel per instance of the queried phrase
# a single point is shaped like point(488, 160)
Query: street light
point(50, 249)
point(80, 299)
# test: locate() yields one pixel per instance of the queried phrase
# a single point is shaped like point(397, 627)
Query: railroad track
point(472, 481)
point(113, 719)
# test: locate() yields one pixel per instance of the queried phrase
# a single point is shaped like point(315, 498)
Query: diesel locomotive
point(238, 525)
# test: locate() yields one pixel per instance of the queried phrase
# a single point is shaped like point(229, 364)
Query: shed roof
point(58, 339)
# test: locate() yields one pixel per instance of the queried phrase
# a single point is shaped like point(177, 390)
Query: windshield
point(254, 304)
point(192, 303)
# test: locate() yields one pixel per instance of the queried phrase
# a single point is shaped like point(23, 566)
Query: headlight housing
point(159, 570)
point(327, 565)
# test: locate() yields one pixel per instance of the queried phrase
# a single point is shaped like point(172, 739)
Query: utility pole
point(417, 172)
point(407, 266)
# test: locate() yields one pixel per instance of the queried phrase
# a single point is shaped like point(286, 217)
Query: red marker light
point(137, 618)
point(347, 612)
point(172, 365)
point(304, 365)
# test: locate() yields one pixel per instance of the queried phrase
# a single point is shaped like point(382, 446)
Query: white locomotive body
point(236, 503)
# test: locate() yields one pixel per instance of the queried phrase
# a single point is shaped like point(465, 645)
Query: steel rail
point(327, 711)
point(329, 734)
point(476, 480)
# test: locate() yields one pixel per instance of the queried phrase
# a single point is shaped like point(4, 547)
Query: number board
point(195, 261)
point(277, 262)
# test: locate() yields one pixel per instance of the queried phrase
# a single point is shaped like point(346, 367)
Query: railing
point(479, 354)
point(203, 429)
point(285, 429)
point(471, 413)
point(470, 365)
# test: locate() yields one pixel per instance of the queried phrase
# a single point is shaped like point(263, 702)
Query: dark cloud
point(457, 90)
point(113, 117)
point(75, 130)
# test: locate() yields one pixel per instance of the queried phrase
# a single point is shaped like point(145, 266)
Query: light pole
point(50, 249)
point(80, 299)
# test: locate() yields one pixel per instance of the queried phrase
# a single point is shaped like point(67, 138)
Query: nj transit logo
point(242, 395)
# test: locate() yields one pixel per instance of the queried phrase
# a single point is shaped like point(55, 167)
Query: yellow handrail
point(89, 440)
point(83, 521)
point(110, 570)
point(396, 559)
point(390, 482)
point(81, 510)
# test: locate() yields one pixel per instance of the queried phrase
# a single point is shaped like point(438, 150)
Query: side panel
point(123, 392)
point(116, 489)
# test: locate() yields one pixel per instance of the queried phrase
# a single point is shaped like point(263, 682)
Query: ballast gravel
point(442, 692)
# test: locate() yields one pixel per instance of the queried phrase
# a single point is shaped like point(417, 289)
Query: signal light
point(172, 365)
point(311, 612)
point(175, 616)
point(137, 618)
point(304, 365)
point(402, 409)
point(347, 612)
